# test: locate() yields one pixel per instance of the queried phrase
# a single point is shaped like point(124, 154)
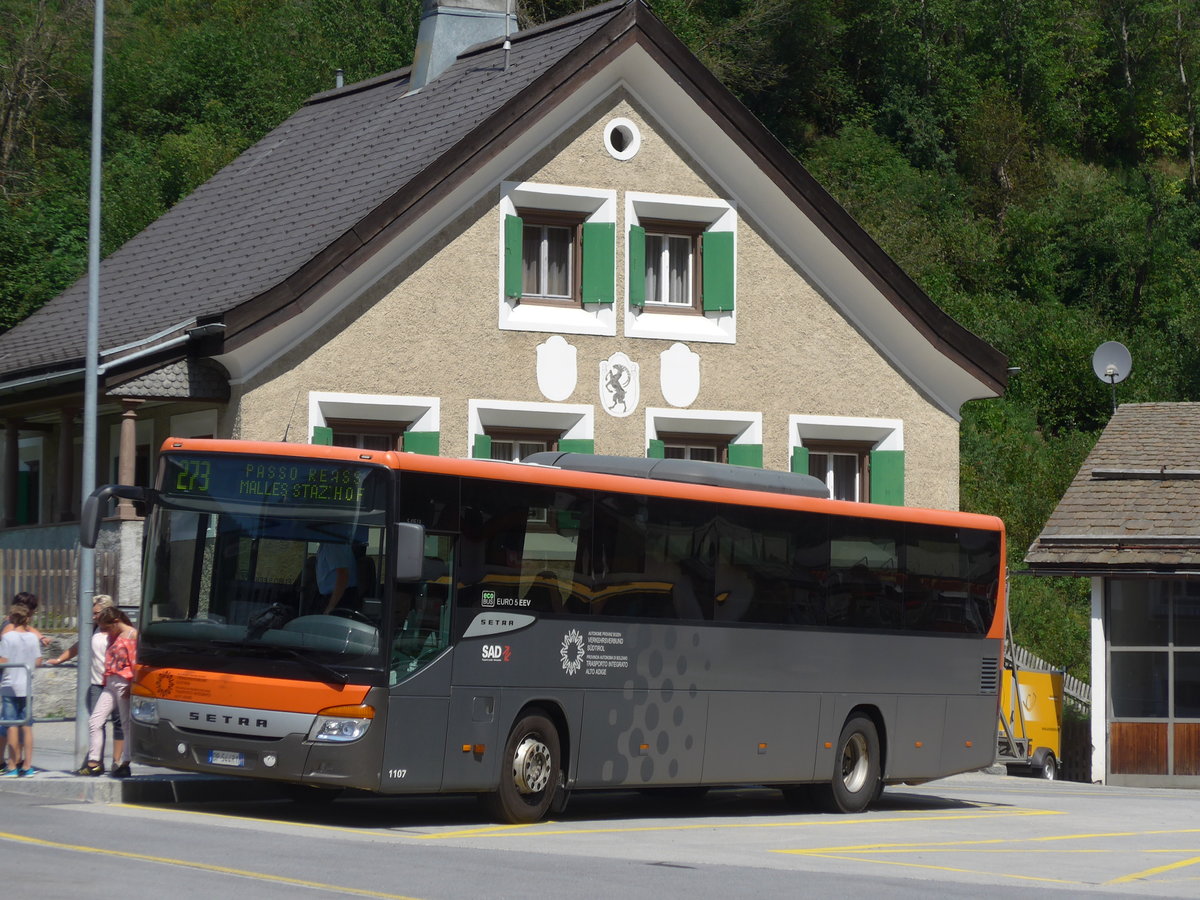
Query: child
point(30, 600)
point(18, 645)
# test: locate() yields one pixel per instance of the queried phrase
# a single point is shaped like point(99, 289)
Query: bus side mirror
point(410, 551)
point(95, 506)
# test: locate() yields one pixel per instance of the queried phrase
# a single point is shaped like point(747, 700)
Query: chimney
point(448, 27)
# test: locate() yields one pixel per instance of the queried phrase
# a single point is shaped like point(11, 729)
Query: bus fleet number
point(397, 773)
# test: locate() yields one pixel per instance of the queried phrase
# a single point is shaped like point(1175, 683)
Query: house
point(1128, 522)
point(570, 237)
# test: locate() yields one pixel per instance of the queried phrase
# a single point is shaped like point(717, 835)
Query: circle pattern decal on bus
point(571, 653)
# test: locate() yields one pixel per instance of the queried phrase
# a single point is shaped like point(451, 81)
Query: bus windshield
point(270, 561)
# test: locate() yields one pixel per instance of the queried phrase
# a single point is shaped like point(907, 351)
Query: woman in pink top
point(119, 661)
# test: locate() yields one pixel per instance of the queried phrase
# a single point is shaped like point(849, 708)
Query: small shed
point(1130, 521)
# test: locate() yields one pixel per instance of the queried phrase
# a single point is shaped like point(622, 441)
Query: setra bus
point(400, 623)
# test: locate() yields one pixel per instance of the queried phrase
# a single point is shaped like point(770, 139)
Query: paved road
point(968, 836)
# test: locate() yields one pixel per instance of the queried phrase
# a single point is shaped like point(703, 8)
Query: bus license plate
point(226, 758)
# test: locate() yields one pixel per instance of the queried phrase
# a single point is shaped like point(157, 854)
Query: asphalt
point(54, 754)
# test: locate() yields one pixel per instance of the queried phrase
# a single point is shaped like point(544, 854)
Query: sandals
point(90, 769)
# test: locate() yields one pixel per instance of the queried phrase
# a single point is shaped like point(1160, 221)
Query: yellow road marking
point(205, 867)
point(1138, 876)
point(851, 853)
point(541, 831)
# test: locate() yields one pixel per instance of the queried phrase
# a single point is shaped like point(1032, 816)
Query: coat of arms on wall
point(620, 385)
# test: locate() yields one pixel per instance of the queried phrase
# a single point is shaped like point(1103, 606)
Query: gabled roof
point(1133, 504)
point(289, 218)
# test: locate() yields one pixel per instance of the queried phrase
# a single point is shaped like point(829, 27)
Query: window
point(549, 249)
point(680, 274)
point(844, 468)
point(377, 422)
point(501, 429)
point(707, 435)
point(857, 458)
point(368, 435)
point(558, 259)
point(713, 448)
point(671, 254)
point(514, 446)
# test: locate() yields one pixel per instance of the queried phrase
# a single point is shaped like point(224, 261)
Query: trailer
point(1029, 739)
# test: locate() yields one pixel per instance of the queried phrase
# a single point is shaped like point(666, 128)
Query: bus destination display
point(271, 480)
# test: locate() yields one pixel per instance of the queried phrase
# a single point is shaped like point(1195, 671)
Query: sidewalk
point(54, 753)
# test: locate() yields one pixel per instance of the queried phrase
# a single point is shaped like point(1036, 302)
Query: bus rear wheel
point(530, 772)
point(856, 775)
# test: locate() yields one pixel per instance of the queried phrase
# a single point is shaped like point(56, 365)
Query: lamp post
point(87, 556)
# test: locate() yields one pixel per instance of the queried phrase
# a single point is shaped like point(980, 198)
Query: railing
point(1076, 691)
point(28, 719)
point(53, 577)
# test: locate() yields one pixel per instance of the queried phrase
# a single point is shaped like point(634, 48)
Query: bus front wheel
point(530, 772)
point(856, 775)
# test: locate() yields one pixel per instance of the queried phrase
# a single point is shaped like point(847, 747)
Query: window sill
point(670, 325)
point(564, 318)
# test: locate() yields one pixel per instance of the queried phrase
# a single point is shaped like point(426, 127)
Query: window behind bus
point(558, 551)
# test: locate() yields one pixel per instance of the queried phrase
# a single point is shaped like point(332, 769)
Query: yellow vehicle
point(1030, 733)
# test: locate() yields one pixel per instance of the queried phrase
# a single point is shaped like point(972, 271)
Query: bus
point(398, 623)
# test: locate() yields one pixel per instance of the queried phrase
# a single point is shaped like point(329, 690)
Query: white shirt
point(18, 647)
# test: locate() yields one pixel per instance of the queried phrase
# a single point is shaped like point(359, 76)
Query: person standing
point(96, 682)
point(18, 645)
point(120, 658)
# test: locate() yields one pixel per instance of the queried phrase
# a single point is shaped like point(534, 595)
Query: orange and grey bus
point(398, 623)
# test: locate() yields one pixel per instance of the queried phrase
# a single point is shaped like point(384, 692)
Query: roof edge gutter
point(52, 378)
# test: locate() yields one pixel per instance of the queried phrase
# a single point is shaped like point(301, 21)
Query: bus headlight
point(144, 710)
point(341, 723)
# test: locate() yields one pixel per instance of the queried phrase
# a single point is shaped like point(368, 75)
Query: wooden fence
point(53, 576)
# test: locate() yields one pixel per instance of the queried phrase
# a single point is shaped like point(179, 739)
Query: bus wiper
point(330, 673)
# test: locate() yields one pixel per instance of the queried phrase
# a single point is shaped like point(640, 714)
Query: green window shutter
point(636, 277)
point(425, 442)
point(887, 477)
point(656, 450)
point(718, 271)
point(599, 260)
point(577, 445)
point(514, 240)
point(322, 435)
point(800, 460)
point(746, 455)
point(482, 449)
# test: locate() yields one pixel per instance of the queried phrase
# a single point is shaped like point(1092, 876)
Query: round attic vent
point(622, 139)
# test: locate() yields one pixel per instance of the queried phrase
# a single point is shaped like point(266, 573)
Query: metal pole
point(87, 556)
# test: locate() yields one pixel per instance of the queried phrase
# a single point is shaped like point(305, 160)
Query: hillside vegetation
point(1032, 164)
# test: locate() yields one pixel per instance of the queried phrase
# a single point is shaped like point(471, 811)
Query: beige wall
point(430, 329)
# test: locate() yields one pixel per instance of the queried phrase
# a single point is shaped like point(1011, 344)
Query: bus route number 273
point(497, 652)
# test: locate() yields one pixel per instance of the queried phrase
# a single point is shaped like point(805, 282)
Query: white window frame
point(595, 206)
point(573, 421)
point(422, 413)
point(881, 434)
point(741, 427)
point(651, 321)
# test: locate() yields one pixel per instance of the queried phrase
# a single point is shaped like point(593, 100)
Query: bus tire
point(856, 775)
point(530, 772)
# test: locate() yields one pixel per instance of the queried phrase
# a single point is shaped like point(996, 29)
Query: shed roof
point(1133, 505)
